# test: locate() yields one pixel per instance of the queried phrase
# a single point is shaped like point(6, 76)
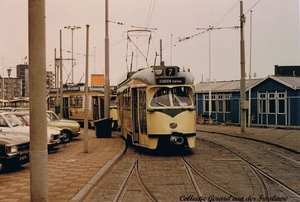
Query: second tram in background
point(73, 104)
point(156, 107)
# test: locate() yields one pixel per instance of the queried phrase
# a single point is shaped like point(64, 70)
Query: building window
point(272, 105)
point(227, 102)
point(262, 103)
point(219, 103)
point(281, 103)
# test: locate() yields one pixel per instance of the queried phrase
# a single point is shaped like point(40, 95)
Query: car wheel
point(66, 136)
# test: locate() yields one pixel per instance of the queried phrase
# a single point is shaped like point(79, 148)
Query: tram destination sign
point(164, 81)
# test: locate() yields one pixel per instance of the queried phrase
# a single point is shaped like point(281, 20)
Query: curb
point(87, 189)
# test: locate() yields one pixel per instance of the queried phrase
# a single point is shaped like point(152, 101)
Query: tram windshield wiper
point(160, 104)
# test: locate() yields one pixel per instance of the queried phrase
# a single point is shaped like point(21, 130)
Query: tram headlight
point(173, 125)
point(158, 72)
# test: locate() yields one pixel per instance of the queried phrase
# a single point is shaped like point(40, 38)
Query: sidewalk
point(72, 173)
point(286, 138)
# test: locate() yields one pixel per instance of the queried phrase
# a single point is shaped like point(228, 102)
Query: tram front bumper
point(176, 138)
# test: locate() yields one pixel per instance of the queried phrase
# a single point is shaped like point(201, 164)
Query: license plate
point(24, 158)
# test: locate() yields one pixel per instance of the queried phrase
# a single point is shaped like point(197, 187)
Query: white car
point(9, 122)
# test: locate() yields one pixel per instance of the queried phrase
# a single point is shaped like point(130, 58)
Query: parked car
point(14, 150)
point(7, 109)
point(70, 128)
point(9, 122)
point(20, 109)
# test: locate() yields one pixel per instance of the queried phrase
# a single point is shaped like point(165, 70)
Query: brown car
point(14, 150)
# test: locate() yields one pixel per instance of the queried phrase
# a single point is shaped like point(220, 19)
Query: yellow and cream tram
point(156, 107)
point(73, 104)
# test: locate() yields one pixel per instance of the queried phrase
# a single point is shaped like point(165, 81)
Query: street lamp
point(72, 28)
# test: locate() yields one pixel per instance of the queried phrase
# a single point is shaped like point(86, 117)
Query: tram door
point(66, 107)
point(142, 112)
point(98, 107)
point(139, 113)
point(135, 126)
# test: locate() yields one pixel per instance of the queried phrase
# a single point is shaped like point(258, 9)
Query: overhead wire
point(226, 14)
point(212, 27)
point(150, 12)
point(252, 7)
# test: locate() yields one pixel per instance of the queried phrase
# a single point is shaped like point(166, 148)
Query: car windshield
point(166, 97)
point(51, 116)
point(26, 119)
point(13, 120)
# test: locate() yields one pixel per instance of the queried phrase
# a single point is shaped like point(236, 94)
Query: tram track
point(191, 167)
point(201, 175)
point(122, 188)
point(260, 174)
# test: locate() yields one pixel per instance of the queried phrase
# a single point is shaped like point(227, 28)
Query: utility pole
point(86, 97)
point(56, 66)
point(107, 81)
point(250, 58)
point(37, 100)
point(209, 64)
point(60, 76)
point(72, 28)
point(243, 105)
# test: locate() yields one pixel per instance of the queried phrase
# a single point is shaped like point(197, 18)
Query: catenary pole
point(242, 81)
point(107, 81)
point(37, 101)
point(60, 77)
point(86, 96)
point(56, 78)
point(72, 28)
point(250, 61)
point(209, 64)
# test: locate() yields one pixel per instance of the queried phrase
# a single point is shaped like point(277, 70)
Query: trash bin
point(57, 109)
point(103, 127)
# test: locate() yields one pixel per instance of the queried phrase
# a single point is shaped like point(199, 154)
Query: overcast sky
point(275, 35)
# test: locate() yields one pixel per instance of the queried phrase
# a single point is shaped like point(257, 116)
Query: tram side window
point(79, 101)
point(126, 100)
point(52, 102)
point(76, 101)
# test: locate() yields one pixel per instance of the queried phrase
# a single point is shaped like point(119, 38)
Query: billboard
point(97, 79)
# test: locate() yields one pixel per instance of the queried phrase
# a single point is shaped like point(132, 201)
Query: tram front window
point(166, 97)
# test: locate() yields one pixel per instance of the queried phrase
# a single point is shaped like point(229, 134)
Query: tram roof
point(147, 76)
